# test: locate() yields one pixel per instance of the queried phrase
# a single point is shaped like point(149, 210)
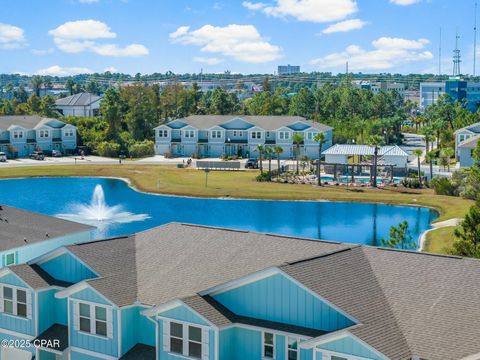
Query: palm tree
point(427, 131)
point(69, 84)
point(447, 152)
point(418, 153)
point(269, 154)
point(297, 139)
point(36, 83)
point(430, 156)
point(376, 141)
point(278, 150)
point(320, 138)
point(261, 150)
point(47, 84)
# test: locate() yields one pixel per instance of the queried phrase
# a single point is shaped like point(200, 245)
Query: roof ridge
point(330, 253)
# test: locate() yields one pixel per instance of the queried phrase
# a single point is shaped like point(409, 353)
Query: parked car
point(37, 155)
point(3, 156)
point(56, 153)
point(251, 164)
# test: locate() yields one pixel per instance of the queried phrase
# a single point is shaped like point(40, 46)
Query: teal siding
point(167, 356)
point(45, 355)
point(136, 328)
point(74, 355)
point(184, 314)
point(51, 310)
point(14, 323)
point(350, 346)
point(98, 344)
point(240, 344)
point(306, 354)
point(276, 298)
point(67, 268)
point(29, 252)
point(10, 337)
point(280, 347)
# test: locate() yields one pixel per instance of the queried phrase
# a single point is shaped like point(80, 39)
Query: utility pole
point(475, 40)
point(456, 57)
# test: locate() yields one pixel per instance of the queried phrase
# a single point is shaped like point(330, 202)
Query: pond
point(117, 209)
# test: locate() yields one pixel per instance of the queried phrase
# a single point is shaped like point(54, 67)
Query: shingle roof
point(347, 149)
point(475, 128)
point(470, 143)
point(407, 303)
point(80, 99)
point(140, 352)
point(36, 277)
point(27, 121)
point(16, 225)
point(264, 122)
point(55, 332)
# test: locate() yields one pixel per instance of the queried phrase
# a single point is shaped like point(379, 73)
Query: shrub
point(141, 149)
point(411, 183)
point(108, 149)
point(443, 186)
point(263, 177)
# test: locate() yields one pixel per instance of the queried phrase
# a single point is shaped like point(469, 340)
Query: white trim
point(183, 322)
point(472, 357)
point(92, 353)
point(274, 345)
point(260, 329)
point(327, 355)
point(93, 328)
point(58, 252)
point(298, 346)
point(15, 302)
point(82, 285)
point(17, 334)
point(204, 338)
point(8, 271)
point(119, 332)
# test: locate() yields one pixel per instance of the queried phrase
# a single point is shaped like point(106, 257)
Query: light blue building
point(182, 291)
point(466, 139)
point(218, 135)
point(21, 135)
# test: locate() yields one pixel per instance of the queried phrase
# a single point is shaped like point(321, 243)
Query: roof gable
point(299, 126)
point(237, 123)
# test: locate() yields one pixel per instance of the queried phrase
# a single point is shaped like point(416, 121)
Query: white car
point(3, 157)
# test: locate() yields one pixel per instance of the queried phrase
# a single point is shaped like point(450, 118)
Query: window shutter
point(205, 345)
point(166, 336)
point(76, 316)
point(29, 304)
point(1, 298)
point(109, 323)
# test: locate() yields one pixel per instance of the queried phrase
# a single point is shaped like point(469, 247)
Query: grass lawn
point(167, 179)
point(439, 240)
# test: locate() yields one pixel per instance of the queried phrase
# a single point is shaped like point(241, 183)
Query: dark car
point(37, 155)
point(56, 153)
point(251, 164)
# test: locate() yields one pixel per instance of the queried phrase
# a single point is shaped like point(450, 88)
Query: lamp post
point(229, 146)
point(207, 170)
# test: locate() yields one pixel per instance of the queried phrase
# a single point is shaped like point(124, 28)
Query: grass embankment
point(166, 179)
point(439, 240)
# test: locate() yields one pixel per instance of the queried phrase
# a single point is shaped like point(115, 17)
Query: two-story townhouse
point(81, 104)
point(22, 135)
point(25, 235)
point(465, 139)
point(184, 291)
point(219, 135)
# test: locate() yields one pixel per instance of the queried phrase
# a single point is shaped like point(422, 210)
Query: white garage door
point(15, 354)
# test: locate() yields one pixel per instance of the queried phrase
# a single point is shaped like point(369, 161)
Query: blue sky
point(70, 36)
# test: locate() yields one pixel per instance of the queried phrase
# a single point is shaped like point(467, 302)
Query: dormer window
point(311, 135)
point(68, 133)
point(216, 134)
point(44, 133)
point(162, 133)
point(256, 134)
point(93, 319)
point(15, 301)
point(284, 135)
point(18, 134)
point(189, 134)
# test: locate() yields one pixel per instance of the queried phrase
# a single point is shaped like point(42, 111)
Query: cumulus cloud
point(111, 69)
point(318, 11)
point(42, 51)
point(404, 2)
point(83, 35)
point(207, 60)
point(239, 42)
point(387, 53)
point(57, 70)
point(345, 26)
point(11, 37)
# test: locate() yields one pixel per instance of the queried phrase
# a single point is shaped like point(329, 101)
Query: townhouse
point(183, 291)
point(466, 140)
point(21, 135)
point(238, 135)
point(25, 235)
point(81, 104)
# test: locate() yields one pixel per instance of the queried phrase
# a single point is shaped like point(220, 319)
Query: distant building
point(379, 86)
point(430, 92)
point(456, 88)
point(82, 104)
point(466, 140)
point(288, 69)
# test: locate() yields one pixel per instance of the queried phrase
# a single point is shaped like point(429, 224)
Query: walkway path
point(435, 226)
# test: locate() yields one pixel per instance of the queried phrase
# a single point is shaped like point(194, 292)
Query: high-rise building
point(288, 69)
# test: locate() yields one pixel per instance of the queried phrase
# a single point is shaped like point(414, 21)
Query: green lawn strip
point(439, 240)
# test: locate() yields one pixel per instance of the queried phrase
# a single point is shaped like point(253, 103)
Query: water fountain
point(99, 214)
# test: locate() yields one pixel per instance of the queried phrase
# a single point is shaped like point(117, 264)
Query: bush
point(411, 183)
point(263, 177)
point(108, 149)
point(443, 186)
point(141, 149)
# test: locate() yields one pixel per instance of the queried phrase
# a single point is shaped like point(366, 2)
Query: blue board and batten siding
point(67, 267)
point(51, 310)
point(97, 344)
point(277, 298)
point(136, 328)
point(350, 346)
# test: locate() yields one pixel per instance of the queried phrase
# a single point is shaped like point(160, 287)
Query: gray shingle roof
point(407, 304)
point(17, 225)
point(264, 122)
point(347, 149)
point(470, 143)
point(140, 352)
point(55, 332)
point(28, 121)
point(80, 99)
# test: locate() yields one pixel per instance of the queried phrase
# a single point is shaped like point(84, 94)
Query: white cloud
point(404, 2)
point(42, 51)
point(111, 69)
point(11, 37)
point(57, 70)
point(83, 35)
point(387, 53)
point(207, 60)
point(240, 42)
point(345, 26)
point(318, 11)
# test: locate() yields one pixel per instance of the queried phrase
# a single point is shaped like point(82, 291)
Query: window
point(333, 357)
point(216, 134)
point(162, 133)
point(17, 134)
point(311, 135)
point(189, 134)
point(268, 345)
point(44, 133)
point(93, 319)
point(284, 135)
point(15, 301)
point(461, 138)
point(234, 133)
point(185, 339)
point(292, 348)
point(256, 135)
point(9, 259)
point(68, 133)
